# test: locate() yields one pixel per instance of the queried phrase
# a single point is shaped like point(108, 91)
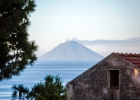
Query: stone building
point(117, 77)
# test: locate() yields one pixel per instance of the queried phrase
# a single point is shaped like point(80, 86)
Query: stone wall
point(93, 84)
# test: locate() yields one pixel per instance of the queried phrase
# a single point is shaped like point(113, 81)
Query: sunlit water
point(67, 70)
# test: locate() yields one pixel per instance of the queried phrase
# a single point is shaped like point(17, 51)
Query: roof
point(133, 58)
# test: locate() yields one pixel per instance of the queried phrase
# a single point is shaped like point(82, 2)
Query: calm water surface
point(67, 70)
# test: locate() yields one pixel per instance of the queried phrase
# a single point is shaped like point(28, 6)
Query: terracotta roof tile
point(133, 58)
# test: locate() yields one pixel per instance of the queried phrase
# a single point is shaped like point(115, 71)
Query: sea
point(66, 70)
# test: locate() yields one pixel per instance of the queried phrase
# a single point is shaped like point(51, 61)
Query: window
point(114, 79)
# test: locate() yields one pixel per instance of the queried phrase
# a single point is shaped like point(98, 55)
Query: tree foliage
point(51, 89)
point(20, 91)
point(16, 51)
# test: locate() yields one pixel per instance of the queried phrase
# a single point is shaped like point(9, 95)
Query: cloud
point(105, 47)
point(132, 41)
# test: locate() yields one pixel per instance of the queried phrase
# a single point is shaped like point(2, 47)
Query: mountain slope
point(71, 50)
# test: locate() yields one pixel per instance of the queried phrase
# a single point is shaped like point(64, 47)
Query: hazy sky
point(56, 20)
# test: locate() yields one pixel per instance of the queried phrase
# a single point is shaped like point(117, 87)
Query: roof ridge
point(129, 54)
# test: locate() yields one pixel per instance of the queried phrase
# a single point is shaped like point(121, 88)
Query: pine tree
point(16, 51)
point(21, 92)
point(50, 89)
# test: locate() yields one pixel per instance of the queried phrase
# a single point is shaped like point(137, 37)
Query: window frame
point(111, 83)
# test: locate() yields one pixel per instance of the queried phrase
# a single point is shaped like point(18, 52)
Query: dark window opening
point(114, 79)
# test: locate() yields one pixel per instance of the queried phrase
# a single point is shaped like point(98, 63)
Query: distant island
point(71, 50)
